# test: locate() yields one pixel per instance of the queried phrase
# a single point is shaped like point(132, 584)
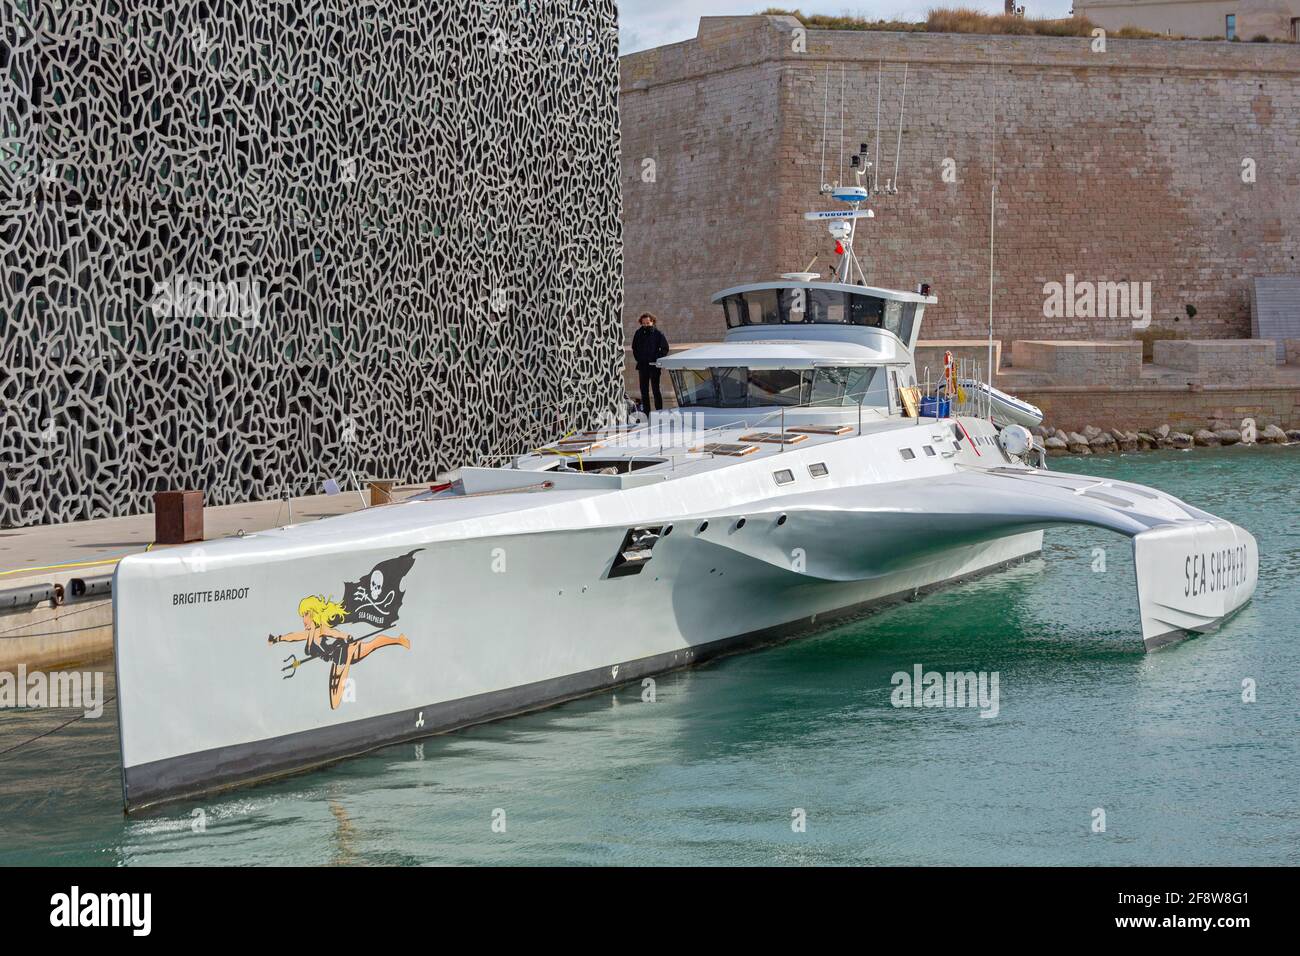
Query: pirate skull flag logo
point(376, 599)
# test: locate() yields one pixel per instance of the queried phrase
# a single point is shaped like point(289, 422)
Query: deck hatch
point(725, 448)
point(822, 429)
point(818, 469)
point(775, 438)
point(783, 477)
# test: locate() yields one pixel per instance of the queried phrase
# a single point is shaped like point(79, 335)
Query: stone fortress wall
point(1170, 167)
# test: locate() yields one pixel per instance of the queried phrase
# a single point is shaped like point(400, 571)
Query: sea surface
point(794, 754)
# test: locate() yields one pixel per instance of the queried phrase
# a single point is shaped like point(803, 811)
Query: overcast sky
point(649, 23)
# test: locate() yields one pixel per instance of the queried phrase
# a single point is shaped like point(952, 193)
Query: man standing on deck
point(649, 345)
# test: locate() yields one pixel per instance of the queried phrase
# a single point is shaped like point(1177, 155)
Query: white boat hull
point(507, 601)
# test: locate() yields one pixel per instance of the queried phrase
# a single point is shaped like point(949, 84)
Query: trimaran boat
point(796, 482)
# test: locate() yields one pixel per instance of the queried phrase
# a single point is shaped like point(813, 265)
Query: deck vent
point(907, 454)
point(818, 469)
point(635, 551)
point(781, 520)
point(740, 523)
point(704, 526)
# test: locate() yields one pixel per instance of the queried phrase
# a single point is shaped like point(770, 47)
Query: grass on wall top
point(964, 20)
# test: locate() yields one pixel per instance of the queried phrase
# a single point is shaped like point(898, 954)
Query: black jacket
point(649, 345)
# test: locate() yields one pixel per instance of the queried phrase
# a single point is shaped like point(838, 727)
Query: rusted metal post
point(177, 517)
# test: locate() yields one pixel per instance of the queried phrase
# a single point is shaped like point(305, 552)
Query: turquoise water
point(713, 769)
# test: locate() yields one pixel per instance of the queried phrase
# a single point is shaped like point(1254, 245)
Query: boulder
point(1063, 435)
point(1055, 446)
point(1272, 435)
point(1078, 444)
point(1180, 440)
point(1040, 431)
point(1228, 436)
point(1206, 439)
point(1146, 441)
point(1161, 432)
point(1293, 434)
point(1128, 441)
point(1091, 431)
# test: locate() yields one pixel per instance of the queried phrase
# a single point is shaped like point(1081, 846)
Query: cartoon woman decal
point(324, 642)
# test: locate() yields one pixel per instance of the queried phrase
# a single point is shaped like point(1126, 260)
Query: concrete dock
point(64, 629)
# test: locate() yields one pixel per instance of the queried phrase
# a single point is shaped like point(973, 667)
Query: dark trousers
point(650, 380)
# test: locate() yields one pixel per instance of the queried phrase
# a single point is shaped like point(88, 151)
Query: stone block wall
point(1079, 363)
point(1239, 361)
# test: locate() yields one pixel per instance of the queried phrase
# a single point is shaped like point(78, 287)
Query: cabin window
point(695, 386)
point(911, 312)
point(818, 469)
point(841, 386)
point(907, 454)
point(784, 476)
point(777, 386)
point(732, 386)
point(760, 307)
point(893, 320)
point(823, 306)
point(929, 450)
point(866, 310)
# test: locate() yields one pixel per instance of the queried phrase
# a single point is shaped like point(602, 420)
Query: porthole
point(704, 526)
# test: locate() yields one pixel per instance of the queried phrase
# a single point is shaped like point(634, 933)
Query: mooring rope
point(66, 723)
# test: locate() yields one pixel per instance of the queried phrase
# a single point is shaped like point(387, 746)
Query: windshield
point(820, 306)
point(754, 388)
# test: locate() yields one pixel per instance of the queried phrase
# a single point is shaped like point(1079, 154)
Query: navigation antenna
point(891, 185)
point(840, 222)
point(880, 76)
point(993, 206)
point(826, 103)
